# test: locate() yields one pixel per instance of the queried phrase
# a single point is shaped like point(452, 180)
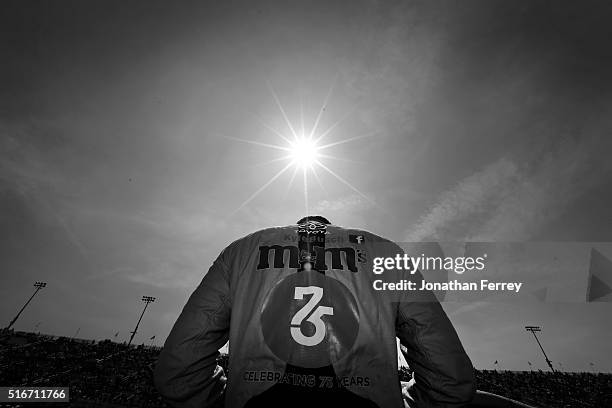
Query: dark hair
point(318, 218)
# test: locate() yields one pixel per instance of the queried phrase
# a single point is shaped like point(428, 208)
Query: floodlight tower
point(38, 286)
point(147, 300)
point(533, 330)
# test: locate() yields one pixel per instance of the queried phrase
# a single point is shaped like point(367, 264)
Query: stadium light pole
point(533, 330)
point(38, 286)
point(147, 300)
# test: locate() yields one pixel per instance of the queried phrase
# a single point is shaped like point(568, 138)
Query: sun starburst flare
point(304, 151)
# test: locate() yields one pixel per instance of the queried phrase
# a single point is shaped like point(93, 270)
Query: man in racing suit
point(307, 329)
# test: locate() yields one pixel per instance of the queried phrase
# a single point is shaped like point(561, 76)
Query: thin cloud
point(505, 201)
point(474, 194)
point(352, 202)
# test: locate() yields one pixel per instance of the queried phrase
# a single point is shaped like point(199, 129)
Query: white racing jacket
point(307, 329)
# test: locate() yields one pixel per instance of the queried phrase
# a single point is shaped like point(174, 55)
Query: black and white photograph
point(309, 204)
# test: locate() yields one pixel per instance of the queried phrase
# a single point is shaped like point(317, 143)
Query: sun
point(304, 152)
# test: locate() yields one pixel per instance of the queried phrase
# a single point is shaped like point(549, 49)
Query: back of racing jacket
point(307, 327)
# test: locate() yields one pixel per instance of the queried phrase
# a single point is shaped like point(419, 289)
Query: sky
point(128, 155)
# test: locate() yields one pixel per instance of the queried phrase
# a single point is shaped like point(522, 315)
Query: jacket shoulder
point(278, 235)
point(248, 244)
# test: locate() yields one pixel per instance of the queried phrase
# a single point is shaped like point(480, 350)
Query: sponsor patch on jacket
point(356, 239)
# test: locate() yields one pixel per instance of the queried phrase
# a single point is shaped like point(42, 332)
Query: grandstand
point(106, 374)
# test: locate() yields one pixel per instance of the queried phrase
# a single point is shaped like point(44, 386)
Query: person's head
point(317, 218)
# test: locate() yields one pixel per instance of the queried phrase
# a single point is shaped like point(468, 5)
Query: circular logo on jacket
point(312, 227)
point(310, 320)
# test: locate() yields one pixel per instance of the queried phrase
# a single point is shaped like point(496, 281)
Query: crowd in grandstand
point(103, 373)
point(545, 389)
point(109, 374)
